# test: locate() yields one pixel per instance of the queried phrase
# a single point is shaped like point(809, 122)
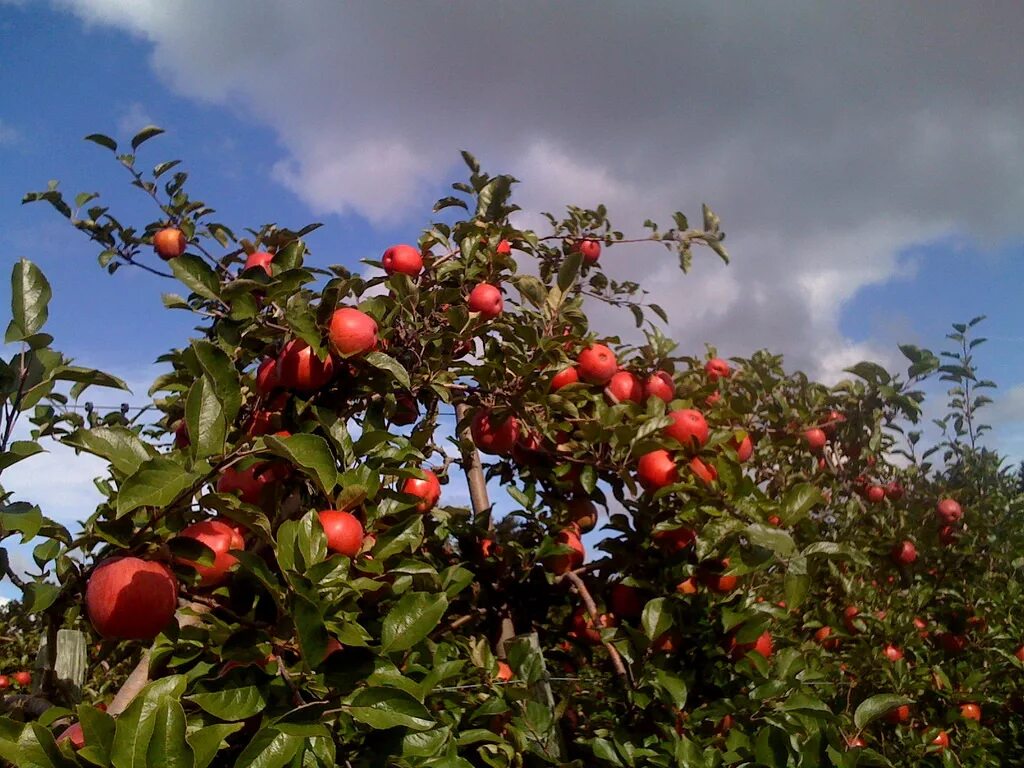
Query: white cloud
point(8, 134)
point(133, 119)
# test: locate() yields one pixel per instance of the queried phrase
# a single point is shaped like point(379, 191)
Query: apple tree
point(785, 576)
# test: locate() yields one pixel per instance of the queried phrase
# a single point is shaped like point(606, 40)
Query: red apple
point(898, 715)
point(948, 512)
point(596, 364)
point(591, 250)
point(824, 638)
point(892, 653)
point(744, 448)
point(504, 672)
point(247, 483)
point(344, 531)
point(970, 712)
point(487, 300)
point(564, 378)
point(259, 260)
point(706, 472)
point(948, 535)
point(952, 643)
point(74, 734)
point(674, 540)
point(266, 377)
point(427, 490)
point(22, 678)
point(403, 259)
point(712, 399)
point(624, 386)
point(856, 742)
point(627, 602)
point(352, 332)
point(904, 553)
point(941, 741)
point(298, 367)
point(659, 384)
point(407, 410)
point(894, 491)
point(717, 368)
point(688, 427)
point(815, 439)
point(763, 645)
point(131, 599)
point(568, 561)
point(181, 438)
point(582, 512)
point(583, 625)
point(5, 682)
point(875, 494)
point(492, 436)
point(504, 248)
point(669, 641)
point(169, 243)
point(1019, 653)
point(849, 615)
point(220, 537)
point(656, 470)
point(716, 581)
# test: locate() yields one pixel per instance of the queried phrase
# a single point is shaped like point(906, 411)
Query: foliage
point(307, 657)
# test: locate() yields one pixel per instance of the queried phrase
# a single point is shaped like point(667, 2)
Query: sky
point(867, 160)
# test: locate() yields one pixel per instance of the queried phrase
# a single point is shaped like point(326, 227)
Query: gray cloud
point(829, 137)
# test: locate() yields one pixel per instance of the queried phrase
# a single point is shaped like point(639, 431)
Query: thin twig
point(591, 606)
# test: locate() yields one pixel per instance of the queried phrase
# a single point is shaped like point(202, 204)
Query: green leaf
point(135, 726)
point(231, 704)
point(30, 295)
point(311, 454)
point(797, 583)
point(870, 372)
point(156, 483)
point(874, 707)
point(383, 708)
point(309, 623)
point(769, 537)
point(39, 595)
point(17, 451)
point(206, 742)
point(270, 748)
point(218, 366)
point(145, 134)
point(103, 141)
point(411, 619)
point(194, 273)
point(167, 746)
point(798, 501)
point(569, 271)
point(120, 446)
point(674, 686)
point(657, 618)
point(389, 364)
point(98, 729)
point(206, 419)
point(38, 749)
point(23, 517)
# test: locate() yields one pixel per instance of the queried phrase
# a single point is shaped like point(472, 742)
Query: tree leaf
point(206, 419)
point(231, 704)
point(194, 273)
point(270, 748)
point(103, 141)
point(206, 742)
point(311, 454)
point(124, 449)
point(411, 619)
point(167, 746)
point(156, 483)
point(389, 364)
point(874, 707)
point(383, 708)
point(17, 451)
point(135, 726)
point(569, 271)
point(798, 501)
point(656, 618)
point(30, 295)
point(309, 623)
point(769, 537)
point(145, 134)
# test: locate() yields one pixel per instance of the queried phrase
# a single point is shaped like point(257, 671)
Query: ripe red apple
point(504, 248)
point(892, 653)
point(493, 436)
point(894, 491)
point(856, 742)
point(624, 386)
point(564, 378)
point(298, 367)
point(568, 561)
point(266, 377)
point(504, 672)
point(407, 410)
point(583, 625)
point(428, 490)
point(344, 531)
point(717, 368)
point(712, 399)
point(674, 540)
point(762, 645)
point(774, 520)
point(669, 641)
point(596, 364)
point(487, 300)
point(904, 553)
point(850, 613)
point(875, 494)
point(952, 643)
point(744, 448)
point(1019, 653)
point(74, 734)
point(922, 626)
point(898, 715)
point(591, 250)
point(247, 483)
point(706, 472)
point(687, 586)
point(5, 682)
point(259, 260)
point(352, 332)
point(941, 741)
point(403, 259)
point(948, 535)
point(627, 602)
point(131, 599)
point(970, 712)
point(22, 678)
point(659, 384)
point(220, 537)
point(181, 438)
point(716, 581)
point(688, 427)
point(582, 512)
point(825, 639)
point(948, 512)
point(656, 470)
point(169, 243)
point(815, 439)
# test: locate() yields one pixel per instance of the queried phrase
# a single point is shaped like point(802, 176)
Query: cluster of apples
point(22, 679)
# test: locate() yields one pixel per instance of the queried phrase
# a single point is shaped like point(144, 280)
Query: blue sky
point(871, 192)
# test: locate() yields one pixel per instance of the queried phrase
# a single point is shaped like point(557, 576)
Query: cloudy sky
point(867, 160)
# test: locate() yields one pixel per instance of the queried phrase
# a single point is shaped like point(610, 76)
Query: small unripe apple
point(656, 470)
point(299, 367)
point(220, 537)
point(582, 512)
point(428, 490)
point(717, 368)
point(564, 378)
point(948, 512)
point(169, 243)
point(402, 259)
point(493, 436)
point(624, 386)
point(344, 531)
point(568, 561)
point(659, 384)
point(352, 332)
point(259, 260)
point(904, 553)
point(131, 599)
point(688, 427)
point(487, 300)
point(596, 364)
point(815, 439)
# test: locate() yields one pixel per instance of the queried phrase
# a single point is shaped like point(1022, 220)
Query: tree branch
point(591, 606)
